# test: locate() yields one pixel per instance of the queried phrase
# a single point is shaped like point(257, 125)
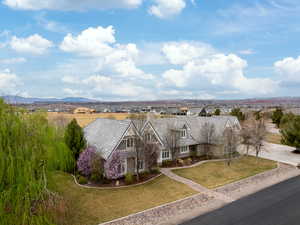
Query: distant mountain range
point(276, 100)
point(22, 100)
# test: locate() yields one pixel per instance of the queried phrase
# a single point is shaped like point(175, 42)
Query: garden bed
point(144, 177)
point(188, 161)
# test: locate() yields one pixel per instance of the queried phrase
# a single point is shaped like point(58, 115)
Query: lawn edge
point(113, 188)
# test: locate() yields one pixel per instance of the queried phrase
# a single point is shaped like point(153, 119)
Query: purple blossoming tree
point(85, 160)
point(112, 167)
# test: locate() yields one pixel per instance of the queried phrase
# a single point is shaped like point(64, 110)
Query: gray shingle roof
point(105, 134)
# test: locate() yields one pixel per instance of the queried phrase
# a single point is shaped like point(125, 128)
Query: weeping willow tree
point(30, 149)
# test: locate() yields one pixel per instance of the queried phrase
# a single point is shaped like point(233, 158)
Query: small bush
point(180, 161)
point(144, 174)
point(129, 179)
point(96, 178)
point(82, 180)
point(188, 161)
point(155, 171)
point(167, 163)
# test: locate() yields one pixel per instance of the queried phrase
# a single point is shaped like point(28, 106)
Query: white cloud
point(100, 43)
point(71, 5)
point(247, 52)
point(167, 8)
point(50, 25)
point(180, 53)
point(13, 60)
point(99, 85)
point(91, 42)
point(34, 44)
point(289, 68)
point(9, 82)
point(215, 71)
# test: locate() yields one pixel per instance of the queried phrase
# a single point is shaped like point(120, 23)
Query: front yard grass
point(94, 206)
point(273, 138)
point(216, 174)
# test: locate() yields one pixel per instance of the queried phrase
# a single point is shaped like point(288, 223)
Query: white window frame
point(183, 133)
point(123, 167)
point(129, 142)
point(184, 149)
point(162, 154)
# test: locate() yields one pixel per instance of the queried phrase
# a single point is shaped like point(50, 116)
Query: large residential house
point(111, 137)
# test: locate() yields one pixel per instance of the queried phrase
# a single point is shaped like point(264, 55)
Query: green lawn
point(216, 174)
point(273, 138)
point(93, 206)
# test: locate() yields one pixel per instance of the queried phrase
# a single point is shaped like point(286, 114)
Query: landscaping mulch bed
point(113, 183)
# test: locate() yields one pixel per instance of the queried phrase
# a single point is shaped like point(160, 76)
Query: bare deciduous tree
point(231, 142)
point(207, 137)
point(151, 155)
point(171, 141)
point(258, 136)
point(139, 121)
point(246, 136)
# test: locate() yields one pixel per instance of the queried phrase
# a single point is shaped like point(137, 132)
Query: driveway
point(279, 153)
point(277, 205)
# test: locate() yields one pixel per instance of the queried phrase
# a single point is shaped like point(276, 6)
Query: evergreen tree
point(74, 138)
point(276, 116)
point(291, 133)
point(217, 112)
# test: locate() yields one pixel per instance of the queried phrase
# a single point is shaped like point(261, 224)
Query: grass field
point(216, 174)
point(273, 138)
point(93, 206)
point(85, 119)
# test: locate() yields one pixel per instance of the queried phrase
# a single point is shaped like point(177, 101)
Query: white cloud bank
point(289, 68)
point(34, 44)
point(100, 43)
point(13, 60)
point(71, 5)
point(9, 82)
point(167, 8)
point(203, 67)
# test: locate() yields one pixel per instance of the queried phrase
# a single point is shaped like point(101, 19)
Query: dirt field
point(85, 119)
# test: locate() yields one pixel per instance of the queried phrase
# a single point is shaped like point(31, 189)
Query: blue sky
point(150, 49)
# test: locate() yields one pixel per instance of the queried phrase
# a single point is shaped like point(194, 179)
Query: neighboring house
point(111, 137)
point(83, 110)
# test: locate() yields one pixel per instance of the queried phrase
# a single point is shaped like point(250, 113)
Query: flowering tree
point(112, 167)
point(85, 161)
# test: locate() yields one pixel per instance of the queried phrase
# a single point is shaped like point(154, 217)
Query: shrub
point(167, 163)
point(96, 178)
point(82, 180)
point(144, 173)
point(188, 161)
point(155, 171)
point(180, 161)
point(129, 179)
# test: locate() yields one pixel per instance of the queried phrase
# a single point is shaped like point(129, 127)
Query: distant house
point(83, 110)
point(111, 137)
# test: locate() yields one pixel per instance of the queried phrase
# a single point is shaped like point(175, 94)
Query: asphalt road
point(277, 205)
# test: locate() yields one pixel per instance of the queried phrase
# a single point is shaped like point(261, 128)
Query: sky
point(114, 50)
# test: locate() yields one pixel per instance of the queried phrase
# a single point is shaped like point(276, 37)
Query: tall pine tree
point(74, 138)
